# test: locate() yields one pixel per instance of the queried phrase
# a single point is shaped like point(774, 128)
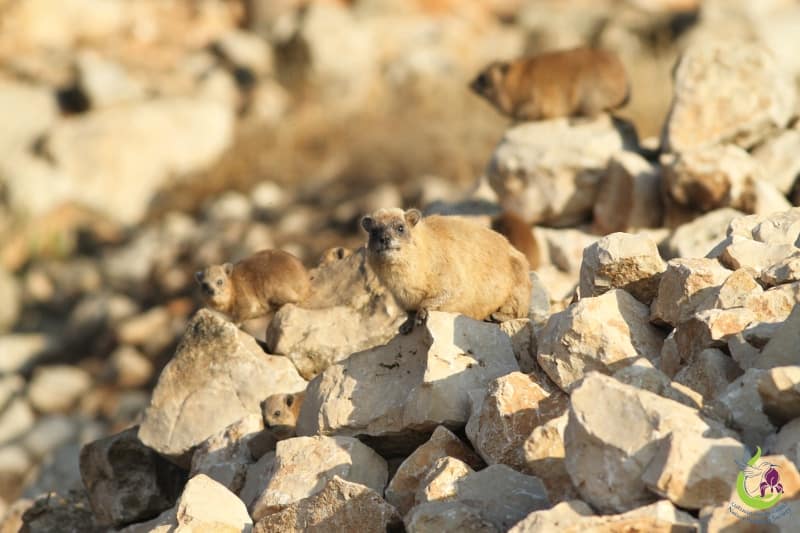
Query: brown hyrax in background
point(520, 234)
point(580, 82)
point(255, 286)
point(443, 263)
point(331, 255)
point(280, 412)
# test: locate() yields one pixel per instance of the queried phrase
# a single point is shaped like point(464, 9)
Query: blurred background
point(143, 139)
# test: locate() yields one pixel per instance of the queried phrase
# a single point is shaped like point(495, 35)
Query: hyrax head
point(389, 230)
point(331, 255)
point(280, 414)
point(215, 283)
point(489, 84)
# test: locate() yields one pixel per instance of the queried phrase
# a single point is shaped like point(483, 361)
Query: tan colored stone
point(440, 481)
point(785, 270)
point(743, 408)
point(543, 453)
point(523, 340)
point(779, 388)
point(686, 286)
point(643, 375)
point(447, 517)
point(629, 195)
point(754, 255)
point(699, 236)
point(783, 348)
point(708, 373)
point(710, 329)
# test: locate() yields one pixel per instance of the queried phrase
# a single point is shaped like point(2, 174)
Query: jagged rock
point(606, 455)
point(226, 456)
point(399, 392)
point(439, 482)
point(785, 270)
point(629, 195)
point(204, 505)
point(776, 228)
point(54, 512)
point(544, 458)
point(502, 423)
point(348, 311)
point(643, 375)
point(787, 441)
point(778, 157)
point(214, 361)
point(779, 388)
point(622, 261)
point(523, 340)
point(256, 479)
point(709, 373)
point(127, 482)
point(707, 108)
point(104, 82)
point(775, 304)
point(548, 171)
point(745, 347)
point(403, 486)
point(603, 333)
point(710, 328)
point(576, 516)
point(740, 403)
point(693, 471)
point(754, 255)
point(699, 237)
point(564, 247)
point(783, 348)
point(71, 382)
point(303, 464)
point(447, 517)
point(686, 286)
point(246, 50)
point(339, 506)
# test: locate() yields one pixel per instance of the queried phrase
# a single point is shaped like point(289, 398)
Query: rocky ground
point(146, 139)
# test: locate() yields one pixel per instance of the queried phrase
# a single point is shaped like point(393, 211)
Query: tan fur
point(519, 234)
point(331, 255)
point(447, 264)
point(568, 83)
point(280, 412)
point(255, 286)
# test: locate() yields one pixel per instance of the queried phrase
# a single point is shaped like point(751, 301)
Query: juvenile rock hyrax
point(568, 83)
point(331, 255)
point(280, 412)
point(255, 286)
point(442, 263)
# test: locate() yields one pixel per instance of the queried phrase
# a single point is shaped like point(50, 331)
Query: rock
point(399, 392)
point(11, 521)
point(22, 350)
point(693, 471)
point(10, 295)
point(49, 433)
point(699, 237)
point(106, 83)
point(622, 261)
point(738, 290)
point(53, 512)
point(30, 109)
point(754, 255)
point(710, 328)
point(628, 196)
point(447, 517)
point(558, 517)
point(765, 199)
point(779, 389)
point(129, 367)
point(745, 347)
point(709, 373)
point(246, 50)
point(16, 417)
point(403, 486)
point(783, 347)
point(127, 482)
point(564, 246)
point(776, 228)
point(512, 407)
point(741, 405)
point(777, 157)
point(707, 108)
point(643, 375)
point(204, 505)
point(787, 442)
point(59, 473)
point(523, 340)
point(256, 478)
point(340, 506)
point(773, 305)
point(303, 464)
point(159, 139)
point(603, 333)
point(544, 458)
point(269, 102)
point(71, 382)
point(711, 177)
point(785, 270)
point(439, 482)
point(213, 360)
point(686, 286)
point(225, 456)
point(349, 311)
point(231, 206)
point(606, 456)
point(548, 172)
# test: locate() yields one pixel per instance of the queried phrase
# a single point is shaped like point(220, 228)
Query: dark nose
point(208, 288)
point(385, 239)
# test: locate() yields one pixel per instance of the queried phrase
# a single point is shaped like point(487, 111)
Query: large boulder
point(218, 376)
point(629, 195)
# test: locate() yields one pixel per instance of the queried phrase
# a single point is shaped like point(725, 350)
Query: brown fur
point(331, 255)
point(280, 412)
point(255, 286)
point(442, 263)
point(568, 83)
point(519, 234)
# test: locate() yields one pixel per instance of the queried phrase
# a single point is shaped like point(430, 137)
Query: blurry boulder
point(779, 388)
point(104, 82)
point(30, 111)
point(629, 195)
point(447, 517)
point(71, 382)
point(56, 512)
point(787, 441)
point(399, 392)
point(217, 376)
point(754, 255)
point(549, 171)
point(699, 237)
point(246, 50)
point(16, 418)
point(778, 157)
point(10, 295)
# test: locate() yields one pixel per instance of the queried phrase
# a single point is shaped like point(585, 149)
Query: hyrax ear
point(367, 222)
point(289, 400)
point(199, 275)
point(228, 268)
point(340, 253)
point(413, 216)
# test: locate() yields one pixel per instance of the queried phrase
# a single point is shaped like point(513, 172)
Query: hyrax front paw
point(421, 318)
point(407, 326)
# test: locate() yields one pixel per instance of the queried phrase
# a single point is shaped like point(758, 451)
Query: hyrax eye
point(219, 282)
point(276, 413)
point(401, 229)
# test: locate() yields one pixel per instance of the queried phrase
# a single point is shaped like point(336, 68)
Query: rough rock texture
point(548, 171)
point(778, 158)
point(710, 328)
point(402, 488)
point(447, 517)
point(523, 339)
point(339, 506)
point(622, 261)
point(629, 195)
point(699, 237)
point(406, 388)
point(741, 405)
point(786, 270)
point(755, 255)
point(440, 480)
point(643, 375)
point(214, 360)
point(779, 389)
point(127, 482)
point(348, 311)
point(603, 333)
point(782, 348)
point(686, 286)
point(304, 464)
point(709, 373)
point(707, 107)
point(606, 456)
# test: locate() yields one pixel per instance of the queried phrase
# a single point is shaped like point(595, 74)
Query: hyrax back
point(568, 83)
point(280, 412)
point(255, 286)
point(446, 263)
point(519, 234)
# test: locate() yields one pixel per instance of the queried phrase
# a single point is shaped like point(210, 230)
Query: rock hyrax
point(442, 263)
point(580, 82)
point(519, 234)
point(331, 255)
point(280, 412)
point(255, 286)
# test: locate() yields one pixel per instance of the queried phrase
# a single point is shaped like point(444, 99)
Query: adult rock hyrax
point(519, 234)
point(255, 286)
point(580, 82)
point(280, 412)
point(331, 255)
point(443, 263)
